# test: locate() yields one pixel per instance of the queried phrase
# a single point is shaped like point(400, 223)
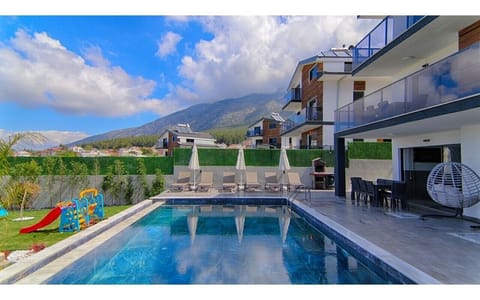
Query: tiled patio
point(435, 250)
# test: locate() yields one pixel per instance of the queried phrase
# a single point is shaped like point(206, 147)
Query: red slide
point(48, 219)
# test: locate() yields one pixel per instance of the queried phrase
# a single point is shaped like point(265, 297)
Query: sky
point(71, 75)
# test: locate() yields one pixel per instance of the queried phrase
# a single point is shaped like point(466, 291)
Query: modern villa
point(319, 85)
point(182, 135)
point(265, 132)
point(430, 105)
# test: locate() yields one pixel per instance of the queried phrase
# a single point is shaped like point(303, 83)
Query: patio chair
point(294, 181)
point(362, 191)
point(355, 189)
point(206, 181)
point(182, 183)
point(397, 195)
point(271, 182)
point(371, 195)
point(252, 181)
point(229, 183)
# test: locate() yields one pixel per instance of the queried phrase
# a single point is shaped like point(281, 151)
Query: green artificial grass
point(11, 239)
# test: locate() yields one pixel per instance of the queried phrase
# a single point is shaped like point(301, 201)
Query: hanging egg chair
point(454, 185)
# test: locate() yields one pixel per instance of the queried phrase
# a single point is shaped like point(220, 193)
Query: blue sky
point(92, 73)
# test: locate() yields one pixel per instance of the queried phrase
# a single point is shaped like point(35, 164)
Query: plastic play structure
point(74, 215)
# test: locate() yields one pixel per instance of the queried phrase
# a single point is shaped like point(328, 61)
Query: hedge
point(253, 157)
point(369, 150)
point(130, 163)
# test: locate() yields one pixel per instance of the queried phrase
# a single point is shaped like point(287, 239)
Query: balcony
point(254, 132)
point(309, 116)
point(453, 78)
point(389, 29)
point(293, 99)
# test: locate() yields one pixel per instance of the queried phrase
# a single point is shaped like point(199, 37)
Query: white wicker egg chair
point(454, 185)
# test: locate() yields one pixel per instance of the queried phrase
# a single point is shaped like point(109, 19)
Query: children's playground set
point(75, 215)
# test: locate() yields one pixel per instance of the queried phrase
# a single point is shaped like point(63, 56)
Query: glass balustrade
point(450, 79)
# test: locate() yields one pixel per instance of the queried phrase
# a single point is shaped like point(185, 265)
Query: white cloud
point(168, 44)
point(39, 71)
point(250, 54)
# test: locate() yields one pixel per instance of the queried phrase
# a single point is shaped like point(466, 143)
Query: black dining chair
point(363, 191)
point(371, 194)
point(397, 195)
point(355, 191)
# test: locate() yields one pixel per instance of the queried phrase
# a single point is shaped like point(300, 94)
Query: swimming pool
point(206, 243)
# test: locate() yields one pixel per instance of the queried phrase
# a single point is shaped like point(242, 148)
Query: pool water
point(219, 244)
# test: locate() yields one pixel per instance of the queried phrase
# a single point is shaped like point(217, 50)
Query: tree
point(62, 172)
point(25, 180)
point(12, 187)
point(96, 170)
point(158, 184)
point(78, 176)
point(142, 172)
point(49, 164)
point(115, 179)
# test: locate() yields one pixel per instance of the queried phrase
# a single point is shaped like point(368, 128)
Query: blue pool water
point(219, 244)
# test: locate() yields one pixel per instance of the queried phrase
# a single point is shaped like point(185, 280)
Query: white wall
point(470, 146)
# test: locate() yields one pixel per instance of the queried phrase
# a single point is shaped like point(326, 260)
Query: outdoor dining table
point(380, 190)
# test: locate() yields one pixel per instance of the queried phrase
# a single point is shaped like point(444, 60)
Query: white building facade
point(431, 101)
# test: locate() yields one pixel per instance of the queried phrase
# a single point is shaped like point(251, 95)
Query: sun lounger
point(182, 183)
point(294, 181)
point(206, 181)
point(252, 182)
point(229, 183)
point(271, 182)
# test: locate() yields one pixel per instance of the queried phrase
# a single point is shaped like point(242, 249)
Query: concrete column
point(339, 145)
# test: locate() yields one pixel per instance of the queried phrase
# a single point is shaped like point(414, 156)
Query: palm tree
point(18, 187)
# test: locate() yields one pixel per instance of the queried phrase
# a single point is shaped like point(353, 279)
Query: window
point(257, 131)
point(347, 67)
point(165, 143)
point(272, 125)
point(190, 140)
point(358, 140)
point(272, 141)
point(357, 95)
point(313, 73)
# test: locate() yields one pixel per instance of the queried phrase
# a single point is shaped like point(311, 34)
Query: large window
point(272, 125)
point(313, 73)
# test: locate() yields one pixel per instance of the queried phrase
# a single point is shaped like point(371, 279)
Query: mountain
point(241, 111)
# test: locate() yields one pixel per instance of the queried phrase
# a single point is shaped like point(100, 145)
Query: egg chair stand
point(453, 185)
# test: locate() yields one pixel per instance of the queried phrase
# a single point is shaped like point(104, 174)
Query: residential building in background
point(265, 133)
point(319, 85)
point(182, 135)
point(430, 106)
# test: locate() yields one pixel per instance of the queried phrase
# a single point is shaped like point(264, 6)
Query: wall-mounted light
point(426, 140)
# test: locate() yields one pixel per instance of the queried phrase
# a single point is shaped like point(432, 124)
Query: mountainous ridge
point(231, 112)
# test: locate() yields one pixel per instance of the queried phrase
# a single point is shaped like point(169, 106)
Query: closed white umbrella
point(194, 164)
point(241, 164)
point(284, 164)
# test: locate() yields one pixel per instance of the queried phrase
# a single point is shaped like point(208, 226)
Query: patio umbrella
point(192, 220)
point(241, 163)
point(284, 164)
point(194, 164)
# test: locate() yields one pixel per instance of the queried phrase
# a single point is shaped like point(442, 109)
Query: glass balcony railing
point(294, 94)
point(254, 132)
point(450, 79)
point(385, 32)
point(308, 114)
